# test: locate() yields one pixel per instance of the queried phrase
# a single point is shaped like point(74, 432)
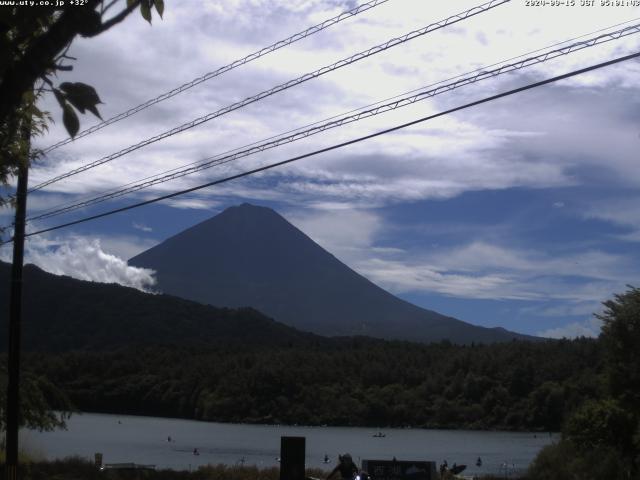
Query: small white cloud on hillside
point(84, 259)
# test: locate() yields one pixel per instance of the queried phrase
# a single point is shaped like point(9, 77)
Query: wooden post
point(15, 317)
point(292, 461)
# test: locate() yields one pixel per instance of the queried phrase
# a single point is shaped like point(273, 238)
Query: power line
point(318, 127)
point(249, 100)
point(340, 145)
point(208, 76)
point(87, 199)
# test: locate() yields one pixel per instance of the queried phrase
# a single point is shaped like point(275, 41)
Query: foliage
point(601, 423)
point(34, 41)
point(563, 460)
point(601, 438)
point(43, 405)
point(333, 381)
point(621, 338)
point(76, 468)
point(171, 357)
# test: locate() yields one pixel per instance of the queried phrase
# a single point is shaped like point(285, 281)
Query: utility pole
point(15, 312)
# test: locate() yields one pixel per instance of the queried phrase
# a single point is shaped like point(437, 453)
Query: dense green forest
point(349, 381)
point(63, 314)
point(115, 349)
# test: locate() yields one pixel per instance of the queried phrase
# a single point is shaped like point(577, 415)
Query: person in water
point(346, 467)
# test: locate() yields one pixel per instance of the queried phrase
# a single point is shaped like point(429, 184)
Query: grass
point(75, 468)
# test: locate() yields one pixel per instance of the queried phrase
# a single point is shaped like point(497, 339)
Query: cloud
point(494, 149)
point(482, 256)
point(622, 212)
point(142, 227)
point(84, 259)
point(343, 232)
point(479, 269)
point(125, 246)
point(587, 328)
point(404, 277)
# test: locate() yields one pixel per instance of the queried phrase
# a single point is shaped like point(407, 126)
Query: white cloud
point(142, 227)
point(405, 276)
point(474, 270)
point(340, 231)
point(84, 259)
point(480, 256)
point(622, 212)
point(442, 159)
point(587, 328)
point(126, 246)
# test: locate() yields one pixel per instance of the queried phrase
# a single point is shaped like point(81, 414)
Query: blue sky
point(522, 213)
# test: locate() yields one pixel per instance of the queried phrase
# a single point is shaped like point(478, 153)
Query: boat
point(379, 435)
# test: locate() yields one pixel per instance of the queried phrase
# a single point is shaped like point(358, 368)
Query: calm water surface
point(122, 438)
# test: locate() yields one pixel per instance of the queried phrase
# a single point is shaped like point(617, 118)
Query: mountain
point(251, 256)
point(61, 314)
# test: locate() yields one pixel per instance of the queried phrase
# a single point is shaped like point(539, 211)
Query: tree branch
point(116, 19)
point(36, 60)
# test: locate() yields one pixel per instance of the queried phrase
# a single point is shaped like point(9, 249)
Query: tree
point(44, 405)
point(601, 438)
point(621, 337)
point(34, 42)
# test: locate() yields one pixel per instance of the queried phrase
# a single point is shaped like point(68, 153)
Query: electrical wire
point(339, 145)
point(215, 73)
point(237, 149)
point(481, 74)
point(304, 78)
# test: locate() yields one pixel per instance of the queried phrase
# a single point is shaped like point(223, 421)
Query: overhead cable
point(337, 146)
point(249, 100)
point(215, 73)
point(398, 102)
point(298, 129)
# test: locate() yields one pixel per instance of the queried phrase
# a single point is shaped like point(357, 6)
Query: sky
point(520, 213)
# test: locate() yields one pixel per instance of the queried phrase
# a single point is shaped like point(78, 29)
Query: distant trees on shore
point(350, 381)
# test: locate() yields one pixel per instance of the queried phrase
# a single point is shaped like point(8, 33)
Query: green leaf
point(145, 10)
point(159, 6)
point(82, 96)
point(130, 3)
point(70, 120)
point(94, 110)
point(60, 97)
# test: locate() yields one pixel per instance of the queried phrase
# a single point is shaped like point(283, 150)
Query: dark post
point(15, 312)
point(292, 452)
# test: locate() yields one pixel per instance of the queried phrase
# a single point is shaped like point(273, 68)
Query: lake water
point(122, 438)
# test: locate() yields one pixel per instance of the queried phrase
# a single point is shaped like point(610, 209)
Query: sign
point(399, 470)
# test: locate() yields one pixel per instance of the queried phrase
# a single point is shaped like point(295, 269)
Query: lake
point(122, 438)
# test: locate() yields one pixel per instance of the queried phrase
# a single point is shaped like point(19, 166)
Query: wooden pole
point(15, 316)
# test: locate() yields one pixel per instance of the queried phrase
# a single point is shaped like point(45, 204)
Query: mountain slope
point(61, 313)
point(251, 256)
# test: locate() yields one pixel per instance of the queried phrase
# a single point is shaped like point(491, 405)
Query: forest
point(341, 381)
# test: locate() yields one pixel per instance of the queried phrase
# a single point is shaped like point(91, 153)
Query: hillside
point(61, 313)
